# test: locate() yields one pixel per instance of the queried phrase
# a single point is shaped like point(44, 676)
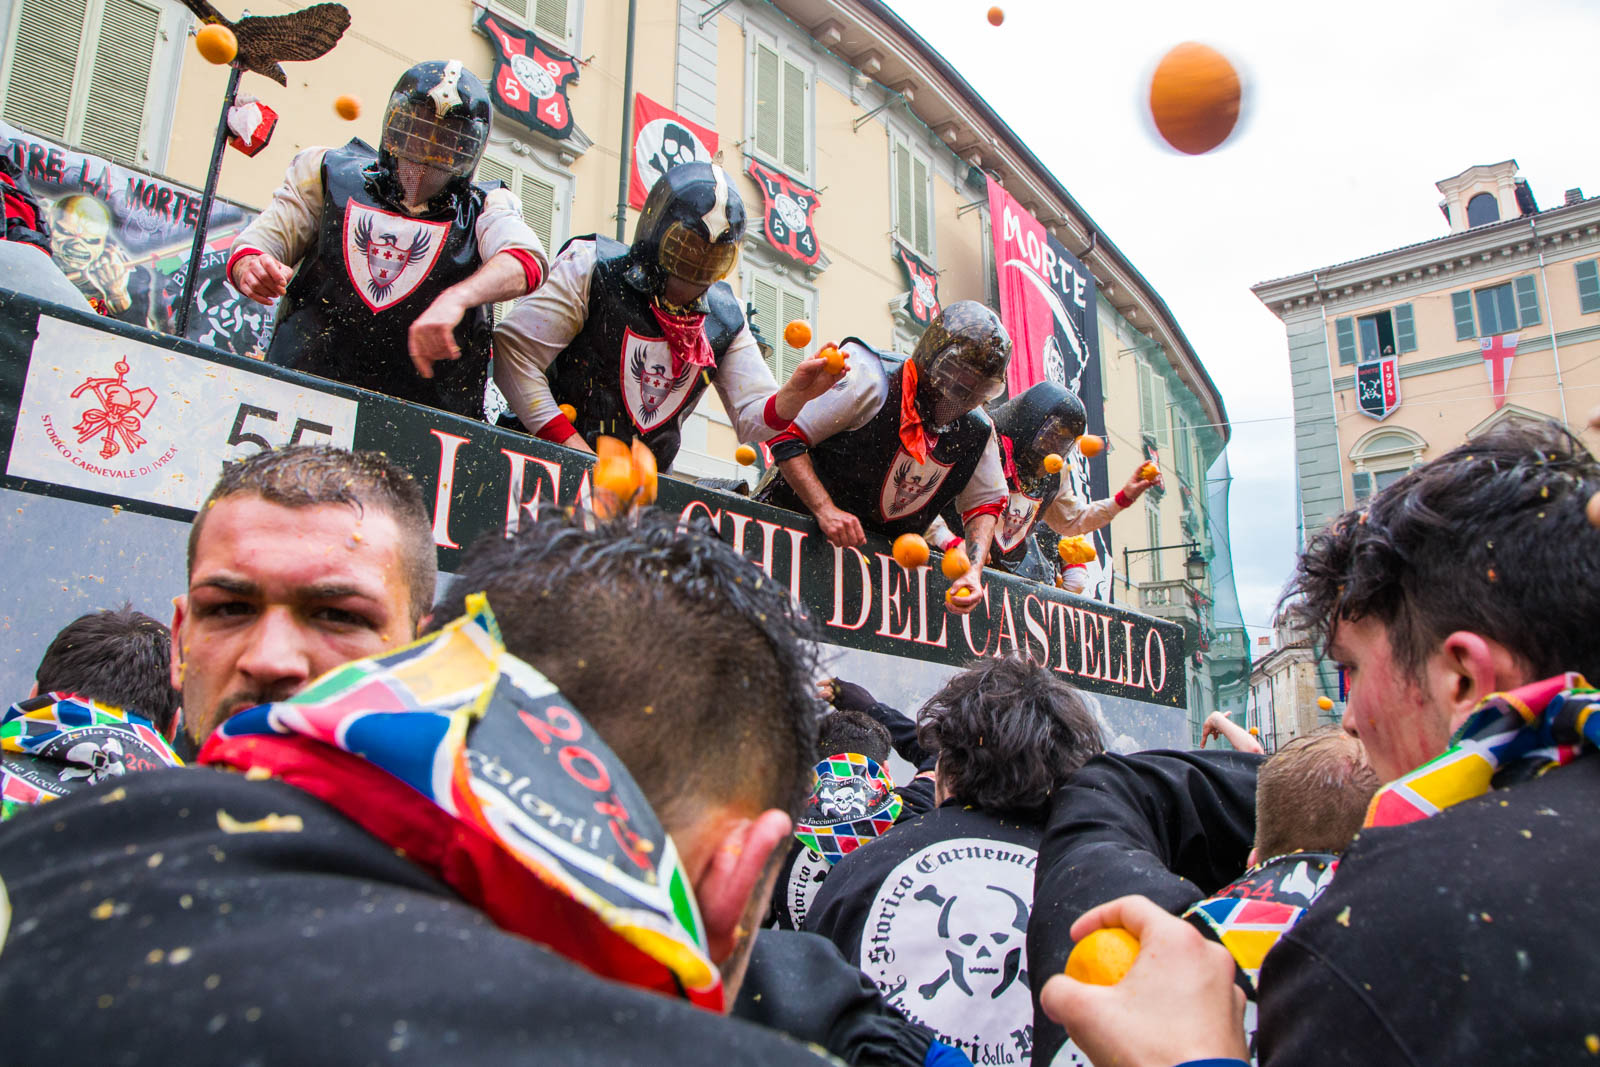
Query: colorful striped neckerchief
point(480, 771)
point(58, 743)
point(1250, 915)
point(1509, 738)
point(852, 802)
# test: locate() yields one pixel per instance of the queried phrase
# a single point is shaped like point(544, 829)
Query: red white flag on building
point(663, 139)
point(1498, 351)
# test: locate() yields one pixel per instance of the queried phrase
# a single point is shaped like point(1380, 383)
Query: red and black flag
point(788, 209)
point(1378, 387)
point(923, 300)
point(530, 78)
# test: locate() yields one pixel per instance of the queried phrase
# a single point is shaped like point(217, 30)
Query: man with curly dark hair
point(936, 911)
point(1460, 603)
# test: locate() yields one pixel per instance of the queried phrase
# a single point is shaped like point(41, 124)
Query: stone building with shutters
point(838, 96)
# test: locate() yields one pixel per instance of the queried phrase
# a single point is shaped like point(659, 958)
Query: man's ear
point(734, 874)
point(1467, 668)
point(180, 607)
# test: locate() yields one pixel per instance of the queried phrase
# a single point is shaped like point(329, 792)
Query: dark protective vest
point(618, 373)
point(347, 317)
point(1014, 532)
point(868, 473)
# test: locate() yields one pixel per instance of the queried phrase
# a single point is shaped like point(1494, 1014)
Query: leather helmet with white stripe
point(961, 361)
point(690, 228)
point(435, 129)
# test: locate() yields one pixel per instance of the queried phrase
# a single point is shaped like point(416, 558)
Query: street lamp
point(1195, 566)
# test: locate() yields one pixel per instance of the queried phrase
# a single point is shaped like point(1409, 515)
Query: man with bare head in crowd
point(300, 560)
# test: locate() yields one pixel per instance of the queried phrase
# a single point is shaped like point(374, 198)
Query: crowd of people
point(335, 814)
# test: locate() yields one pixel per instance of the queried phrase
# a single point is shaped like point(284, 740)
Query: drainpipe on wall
point(1555, 349)
point(1333, 397)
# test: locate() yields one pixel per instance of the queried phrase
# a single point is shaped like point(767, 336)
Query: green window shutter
point(764, 295)
point(1461, 307)
point(1360, 485)
point(539, 207)
point(119, 80)
point(44, 59)
point(516, 9)
point(769, 108)
point(1527, 300)
point(1405, 329)
point(1147, 399)
point(919, 192)
point(902, 191)
point(1588, 286)
point(794, 118)
point(1345, 330)
point(492, 170)
point(794, 307)
point(550, 17)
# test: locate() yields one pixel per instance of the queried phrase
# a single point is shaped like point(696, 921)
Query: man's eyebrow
point(317, 591)
point(228, 584)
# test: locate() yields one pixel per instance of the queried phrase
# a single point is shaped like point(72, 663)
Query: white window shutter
point(491, 169)
point(794, 307)
point(794, 118)
point(44, 61)
point(769, 105)
point(550, 19)
point(119, 80)
point(538, 199)
point(902, 191)
point(764, 296)
point(921, 211)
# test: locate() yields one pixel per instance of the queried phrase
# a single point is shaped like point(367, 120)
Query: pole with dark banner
point(197, 249)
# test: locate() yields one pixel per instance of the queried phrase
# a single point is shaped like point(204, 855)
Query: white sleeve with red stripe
point(748, 392)
point(288, 226)
point(537, 330)
point(939, 534)
point(1071, 517)
point(851, 403)
point(985, 491)
point(501, 228)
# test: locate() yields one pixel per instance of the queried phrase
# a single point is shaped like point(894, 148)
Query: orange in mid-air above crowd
point(1104, 957)
point(996, 16)
point(745, 456)
point(955, 563)
point(797, 334)
point(1324, 703)
point(1194, 98)
point(568, 411)
point(1053, 463)
point(216, 44)
point(910, 551)
point(347, 107)
point(1091, 445)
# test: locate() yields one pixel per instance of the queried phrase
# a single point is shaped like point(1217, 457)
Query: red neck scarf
point(912, 434)
point(686, 337)
point(1008, 463)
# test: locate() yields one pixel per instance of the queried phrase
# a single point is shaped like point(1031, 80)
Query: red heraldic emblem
point(530, 78)
point(788, 214)
point(909, 484)
point(923, 300)
point(655, 386)
point(387, 255)
point(1017, 519)
point(119, 418)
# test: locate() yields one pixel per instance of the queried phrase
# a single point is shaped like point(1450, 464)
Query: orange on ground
point(955, 563)
point(216, 44)
point(1324, 703)
point(1593, 510)
point(1194, 98)
point(910, 551)
point(569, 411)
point(1104, 957)
point(1148, 472)
point(1091, 445)
point(797, 334)
point(347, 107)
point(745, 456)
point(1053, 463)
point(644, 469)
point(996, 16)
point(834, 357)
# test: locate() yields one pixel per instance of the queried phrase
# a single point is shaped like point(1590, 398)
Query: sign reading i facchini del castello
point(105, 414)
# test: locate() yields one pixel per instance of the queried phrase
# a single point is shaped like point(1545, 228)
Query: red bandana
point(686, 337)
point(912, 435)
point(1009, 465)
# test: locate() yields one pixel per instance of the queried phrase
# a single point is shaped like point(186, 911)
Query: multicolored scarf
point(472, 764)
point(1249, 916)
point(912, 433)
point(852, 802)
point(1510, 737)
point(58, 743)
point(686, 337)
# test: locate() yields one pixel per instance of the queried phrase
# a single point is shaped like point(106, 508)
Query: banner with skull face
point(787, 211)
point(122, 236)
point(922, 302)
point(530, 78)
point(663, 139)
point(1048, 305)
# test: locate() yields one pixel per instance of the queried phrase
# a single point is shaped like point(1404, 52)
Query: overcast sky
point(1354, 111)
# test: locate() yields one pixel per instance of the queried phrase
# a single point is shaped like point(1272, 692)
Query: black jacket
point(144, 933)
point(1173, 826)
point(1469, 937)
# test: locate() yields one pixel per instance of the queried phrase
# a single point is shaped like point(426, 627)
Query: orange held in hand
point(955, 563)
point(347, 107)
point(834, 357)
point(910, 551)
point(745, 456)
point(1324, 703)
point(1149, 472)
point(1104, 957)
point(962, 594)
point(1053, 463)
point(996, 16)
point(797, 334)
point(216, 44)
point(1194, 98)
point(1091, 445)
point(568, 411)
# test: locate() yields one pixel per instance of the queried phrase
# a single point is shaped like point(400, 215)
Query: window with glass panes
point(1496, 308)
